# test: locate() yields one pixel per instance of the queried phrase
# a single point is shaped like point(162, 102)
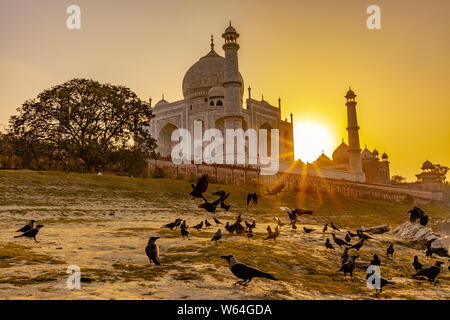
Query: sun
point(311, 139)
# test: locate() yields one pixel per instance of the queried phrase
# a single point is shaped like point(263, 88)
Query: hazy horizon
point(306, 52)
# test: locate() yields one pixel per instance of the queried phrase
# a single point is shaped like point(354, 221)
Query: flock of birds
point(246, 273)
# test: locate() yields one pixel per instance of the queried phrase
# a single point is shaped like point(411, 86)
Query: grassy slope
point(303, 264)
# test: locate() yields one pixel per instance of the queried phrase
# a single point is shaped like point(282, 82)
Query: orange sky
point(307, 52)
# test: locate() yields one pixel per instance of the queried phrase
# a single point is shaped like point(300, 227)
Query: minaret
point(232, 80)
point(355, 163)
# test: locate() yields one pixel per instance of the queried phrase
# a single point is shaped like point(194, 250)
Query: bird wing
point(202, 184)
point(24, 228)
point(249, 198)
point(245, 272)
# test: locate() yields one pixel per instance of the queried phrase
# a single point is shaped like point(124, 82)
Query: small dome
point(216, 92)
point(366, 154)
point(323, 161)
point(340, 155)
point(427, 165)
point(230, 29)
point(375, 153)
point(384, 156)
point(350, 94)
point(161, 103)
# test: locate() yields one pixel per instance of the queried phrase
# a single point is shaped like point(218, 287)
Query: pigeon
point(272, 235)
point(32, 233)
point(217, 236)
point(152, 251)
point(28, 226)
point(244, 272)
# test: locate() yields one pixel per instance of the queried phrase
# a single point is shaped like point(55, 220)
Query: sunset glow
point(311, 139)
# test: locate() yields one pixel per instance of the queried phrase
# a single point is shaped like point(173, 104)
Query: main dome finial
point(212, 42)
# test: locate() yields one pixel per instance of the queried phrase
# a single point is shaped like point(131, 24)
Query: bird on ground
point(358, 245)
point(390, 250)
point(244, 272)
point(184, 232)
point(217, 236)
point(217, 221)
point(339, 242)
point(183, 224)
point(28, 226)
point(32, 233)
point(361, 235)
point(275, 191)
point(250, 234)
point(273, 234)
point(198, 226)
point(333, 226)
point(328, 244)
point(377, 282)
point(112, 212)
point(307, 230)
point(348, 266)
point(348, 238)
point(344, 256)
point(418, 214)
point(172, 225)
point(278, 221)
point(431, 273)
point(375, 261)
point(252, 198)
point(429, 252)
point(239, 228)
point(207, 224)
point(250, 226)
point(239, 218)
point(351, 234)
point(424, 220)
point(293, 225)
point(200, 188)
point(229, 228)
point(325, 228)
point(416, 264)
point(152, 251)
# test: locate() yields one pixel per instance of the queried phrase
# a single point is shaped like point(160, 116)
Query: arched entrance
point(165, 144)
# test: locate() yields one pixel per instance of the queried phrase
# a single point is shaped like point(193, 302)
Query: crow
point(210, 206)
point(275, 191)
point(224, 206)
point(229, 228)
point(339, 242)
point(184, 232)
point(333, 226)
point(293, 213)
point(378, 282)
point(358, 245)
point(245, 272)
point(198, 226)
point(273, 235)
point(217, 221)
point(250, 234)
point(423, 220)
point(28, 226)
point(416, 264)
point(375, 261)
point(418, 214)
point(328, 245)
point(217, 236)
point(348, 238)
point(390, 250)
point(325, 228)
point(32, 233)
point(351, 234)
point(293, 225)
point(250, 226)
point(207, 224)
point(152, 251)
point(431, 273)
point(252, 197)
point(344, 256)
point(239, 228)
point(361, 235)
point(348, 266)
point(172, 225)
point(223, 196)
point(278, 221)
point(307, 230)
point(429, 252)
point(183, 225)
point(201, 187)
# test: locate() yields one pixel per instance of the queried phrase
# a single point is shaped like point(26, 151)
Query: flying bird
point(252, 198)
point(416, 264)
point(32, 233)
point(244, 272)
point(273, 234)
point(28, 226)
point(275, 191)
point(431, 273)
point(152, 251)
point(201, 187)
point(217, 236)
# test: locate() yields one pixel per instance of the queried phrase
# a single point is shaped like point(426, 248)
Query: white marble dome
point(205, 74)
